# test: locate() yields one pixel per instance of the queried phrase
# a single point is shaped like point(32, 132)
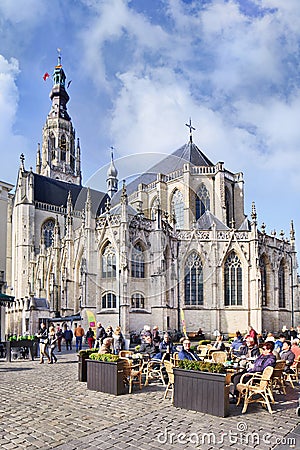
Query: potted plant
point(22, 341)
point(105, 374)
point(201, 386)
point(83, 355)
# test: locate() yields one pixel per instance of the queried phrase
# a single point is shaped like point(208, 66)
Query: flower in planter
point(201, 366)
point(104, 357)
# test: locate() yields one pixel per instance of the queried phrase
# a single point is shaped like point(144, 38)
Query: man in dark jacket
point(100, 335)
point(186, 352)
point(287, 355)
point(148, 347)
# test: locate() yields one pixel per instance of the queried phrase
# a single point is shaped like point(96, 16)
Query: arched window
point(52, 145)
point(228, 205)
point(109, 301)
point(153, 208)
point(47, 232)
point(178, 208)
point(137, 301)
point(202, 201)
point(108, 260)
point(63, 148)
point(233, 280)
point(263, 280)
point(193, 280)
point(137, 262)
point(281, 285)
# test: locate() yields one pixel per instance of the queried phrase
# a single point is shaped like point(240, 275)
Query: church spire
point(60, 159)
point(112, 173)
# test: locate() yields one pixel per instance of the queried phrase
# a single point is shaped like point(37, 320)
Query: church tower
point(60, 159)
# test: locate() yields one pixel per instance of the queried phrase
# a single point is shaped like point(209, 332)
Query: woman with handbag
point(52, 345)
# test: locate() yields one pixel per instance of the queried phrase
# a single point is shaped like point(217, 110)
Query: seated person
point(200, 335)
point(264, 360)
point(279, 343)
point(166, 346)
point(249, 349)
point(186, 352)
point(295, 348)
point(106, 347)
point(287, 355)
point(147, 347)
point(219, 344)
point(236, 343)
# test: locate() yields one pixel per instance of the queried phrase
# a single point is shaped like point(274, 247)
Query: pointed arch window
point(202, 201)
point(178, 208)
point(137, 301)
point(109, 301)
point(108, 260)
point(138, 262)
point(193, 280)
point(281, 285)
point(47, 232)
point(228, 205)
point(263, 280)
point(233, 280)
point(63, 148)
point(52, 145)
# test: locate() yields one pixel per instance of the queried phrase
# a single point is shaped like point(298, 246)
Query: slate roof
point(187, 153)
point(55, 192)
point(207, 219)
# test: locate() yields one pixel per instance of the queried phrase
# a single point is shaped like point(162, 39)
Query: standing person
point(118, 340)
point(100, 335)
point(43, 341)
point(253, 334)
point(79, 333)
point(59, 335)
point(109, 331)
point(68, 336)
point(90, 337)
point(52, 344)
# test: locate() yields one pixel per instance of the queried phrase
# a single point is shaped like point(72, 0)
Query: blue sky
point(141, 68)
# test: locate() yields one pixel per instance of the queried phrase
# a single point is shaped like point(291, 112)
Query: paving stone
point(55, 411)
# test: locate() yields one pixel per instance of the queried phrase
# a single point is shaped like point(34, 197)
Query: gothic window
point(178, 208)
point(137, 262)
point(137, 301)
point(228, 205)
point(202, 201)
point(281, 285)
point(47, 232)
point(263, 281)
point(108, 259)
point(153, 208)
point(193, 280)
point(233, 280)
point(52, 145)
point(63, 148)
point(109, 301)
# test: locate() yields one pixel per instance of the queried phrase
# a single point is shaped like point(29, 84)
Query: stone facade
point(174, 241)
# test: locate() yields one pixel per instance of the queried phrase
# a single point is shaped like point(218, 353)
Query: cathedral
point(173, 243)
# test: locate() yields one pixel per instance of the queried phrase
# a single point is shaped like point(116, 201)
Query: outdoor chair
point(202, 351)
point(257, 390)
point(154, 370)
point(170, 386)
point(219, 357)
point(132, 374)
point(278, 377)
point(175, 359)
point(293, 375)
point(125, 353)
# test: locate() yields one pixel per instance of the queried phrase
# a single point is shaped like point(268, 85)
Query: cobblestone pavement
point(45, 407)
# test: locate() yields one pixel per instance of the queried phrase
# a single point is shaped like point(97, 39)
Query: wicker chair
point(125, 353)
point(219, 357)
point(257, 390)
point(278, 377)
point(175, 359)
point(293, 375)
point(132, 374)
point(154, 370)
point(170, 386)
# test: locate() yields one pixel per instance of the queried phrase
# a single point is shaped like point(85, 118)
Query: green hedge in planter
point(108, 357)
point(204, 342)
point(87, 352)
point(202, 366)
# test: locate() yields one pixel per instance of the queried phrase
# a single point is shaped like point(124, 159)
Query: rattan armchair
point(257, 390)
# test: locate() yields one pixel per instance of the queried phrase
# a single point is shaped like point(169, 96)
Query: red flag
point(45, 76)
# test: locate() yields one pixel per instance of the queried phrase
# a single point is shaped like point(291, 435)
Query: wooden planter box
point(82, 367)
point(31, 344)
point(201, 391)
point(106, 377)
